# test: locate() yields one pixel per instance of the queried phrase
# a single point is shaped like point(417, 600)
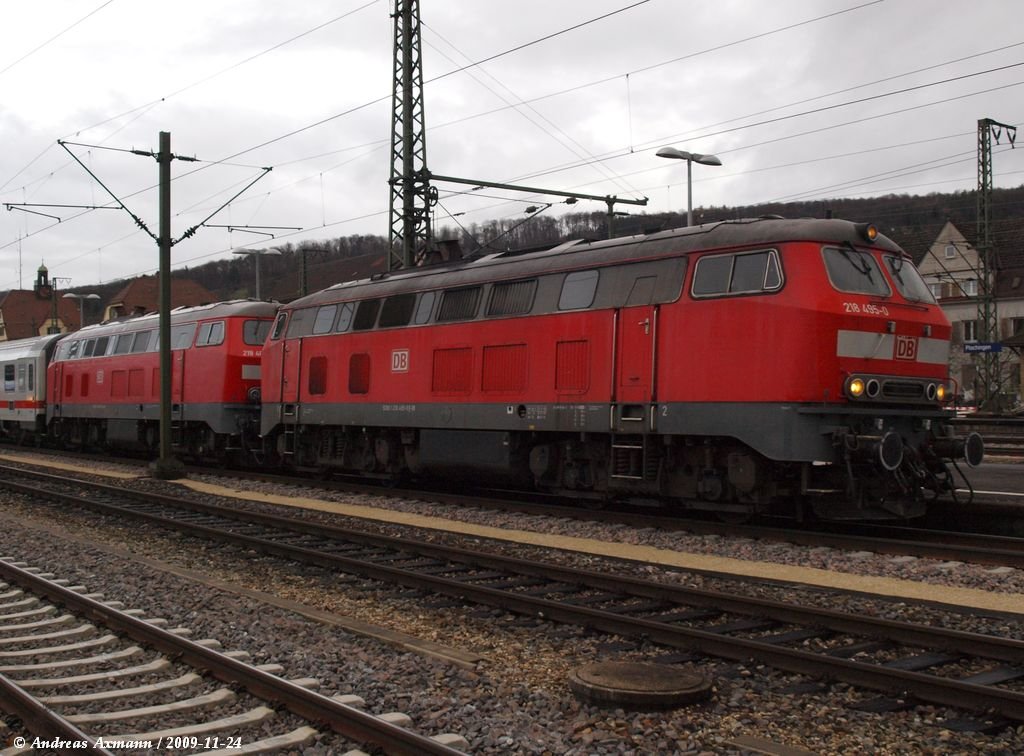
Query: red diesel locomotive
point(103, 382)
point(741, 367)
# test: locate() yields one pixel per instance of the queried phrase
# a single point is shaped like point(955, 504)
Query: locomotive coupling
point(970, 448)
point(885, 449)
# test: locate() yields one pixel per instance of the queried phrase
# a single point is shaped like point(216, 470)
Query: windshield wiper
point(859, 265)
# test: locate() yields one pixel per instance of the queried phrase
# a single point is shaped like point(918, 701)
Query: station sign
point(979, 347)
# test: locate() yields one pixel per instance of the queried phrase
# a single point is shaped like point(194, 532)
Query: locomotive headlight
point(855, 387)
point(867, 231)
point(941, 393)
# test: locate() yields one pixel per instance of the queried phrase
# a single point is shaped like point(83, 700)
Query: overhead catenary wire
point(55, 37)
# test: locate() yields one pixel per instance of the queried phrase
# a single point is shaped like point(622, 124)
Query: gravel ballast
point(517, 699)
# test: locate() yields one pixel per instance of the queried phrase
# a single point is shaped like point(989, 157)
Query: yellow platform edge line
point(73, 468)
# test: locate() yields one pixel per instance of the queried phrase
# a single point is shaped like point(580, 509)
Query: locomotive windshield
point(854, 271)
point(908, 280)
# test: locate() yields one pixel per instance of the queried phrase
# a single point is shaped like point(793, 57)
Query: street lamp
point(690, 158)
point(81, 304)
point(256, 254)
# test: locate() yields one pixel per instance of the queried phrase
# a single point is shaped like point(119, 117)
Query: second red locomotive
point(103, 382)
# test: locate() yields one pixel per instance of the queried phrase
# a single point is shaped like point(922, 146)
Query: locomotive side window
point(31, 377)
point(511, 298)
point(325, 319)
point(853, 271)
point(21, 376)
point(124, 343)
point(737, 273)
point(908, 281)
point(282, 318)
point(424, 308)
point(210, 334)
point(348, 309)
point(642, 292)
point(254, 332)
point(578, 290)
point(366, 315)
point(181, 336)
point(397, 311)
point(142, 338)
point(359, 373)
point(9, 377)
point(101, 346)
point(459, 304)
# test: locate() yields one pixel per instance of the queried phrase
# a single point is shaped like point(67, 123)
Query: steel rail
point(42, 721)
point(345, 720)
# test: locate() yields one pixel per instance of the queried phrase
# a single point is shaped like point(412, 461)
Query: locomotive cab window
point(854, 271)
point(282, 318)
point(908, 281)
point(737, 273)
point(324, 319)
point(254, 332)
point(210, 334)
point(578, 290)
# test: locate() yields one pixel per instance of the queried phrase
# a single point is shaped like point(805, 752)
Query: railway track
point(98, 678)
point(957, 669)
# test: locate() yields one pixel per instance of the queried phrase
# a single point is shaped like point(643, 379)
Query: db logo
point(400, 361)
point(906, 348)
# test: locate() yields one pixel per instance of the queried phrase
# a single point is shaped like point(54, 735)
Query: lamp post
point(690, 158)
point(81, 304)
point(256, 254)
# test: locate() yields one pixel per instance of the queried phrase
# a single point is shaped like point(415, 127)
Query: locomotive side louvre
point(709, 365)
point(104, 380)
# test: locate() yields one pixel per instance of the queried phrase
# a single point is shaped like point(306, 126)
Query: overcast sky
point(816, 99)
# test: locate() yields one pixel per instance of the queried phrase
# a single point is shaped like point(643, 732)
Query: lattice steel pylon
point(989, 372)
point(411, 193)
